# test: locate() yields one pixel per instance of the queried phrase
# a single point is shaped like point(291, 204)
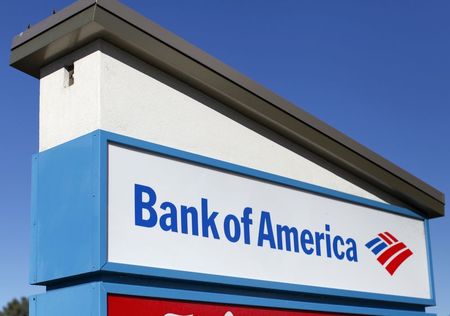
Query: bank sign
point(216, 225)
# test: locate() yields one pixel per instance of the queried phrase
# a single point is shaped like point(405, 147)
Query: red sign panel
point(121, 305)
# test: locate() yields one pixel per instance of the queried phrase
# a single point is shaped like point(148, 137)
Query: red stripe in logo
point(388, 253)
point(385, 238)
point(390, 236)
point(398, 260)
point(394, 254)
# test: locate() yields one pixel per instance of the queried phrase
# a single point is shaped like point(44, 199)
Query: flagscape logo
point(390, 252)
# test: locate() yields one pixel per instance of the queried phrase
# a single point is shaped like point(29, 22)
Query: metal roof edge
point(51, 21)
point(105, 23)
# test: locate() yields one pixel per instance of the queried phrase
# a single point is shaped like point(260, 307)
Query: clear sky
point(378, 71)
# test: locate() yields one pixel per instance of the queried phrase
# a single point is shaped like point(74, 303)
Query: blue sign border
point(92, 149)
point(91, 299)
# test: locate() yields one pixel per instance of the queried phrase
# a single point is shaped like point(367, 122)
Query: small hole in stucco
point(69, 72)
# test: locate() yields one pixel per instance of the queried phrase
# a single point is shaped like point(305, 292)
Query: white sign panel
point(170, 214)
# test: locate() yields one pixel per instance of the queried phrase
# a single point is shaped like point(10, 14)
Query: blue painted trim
point(83, 299)
point(187, 295)
point(237, 281)
point(99, 194)
point(33, 216)
point(108, 137)
point(430, 262)
point(32, 308)
point(91, 299)
point(218, 164)
point(103, 295)
point(66, 211)
point(103, 190)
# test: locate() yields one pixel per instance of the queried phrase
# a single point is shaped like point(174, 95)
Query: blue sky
point(379, 71)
